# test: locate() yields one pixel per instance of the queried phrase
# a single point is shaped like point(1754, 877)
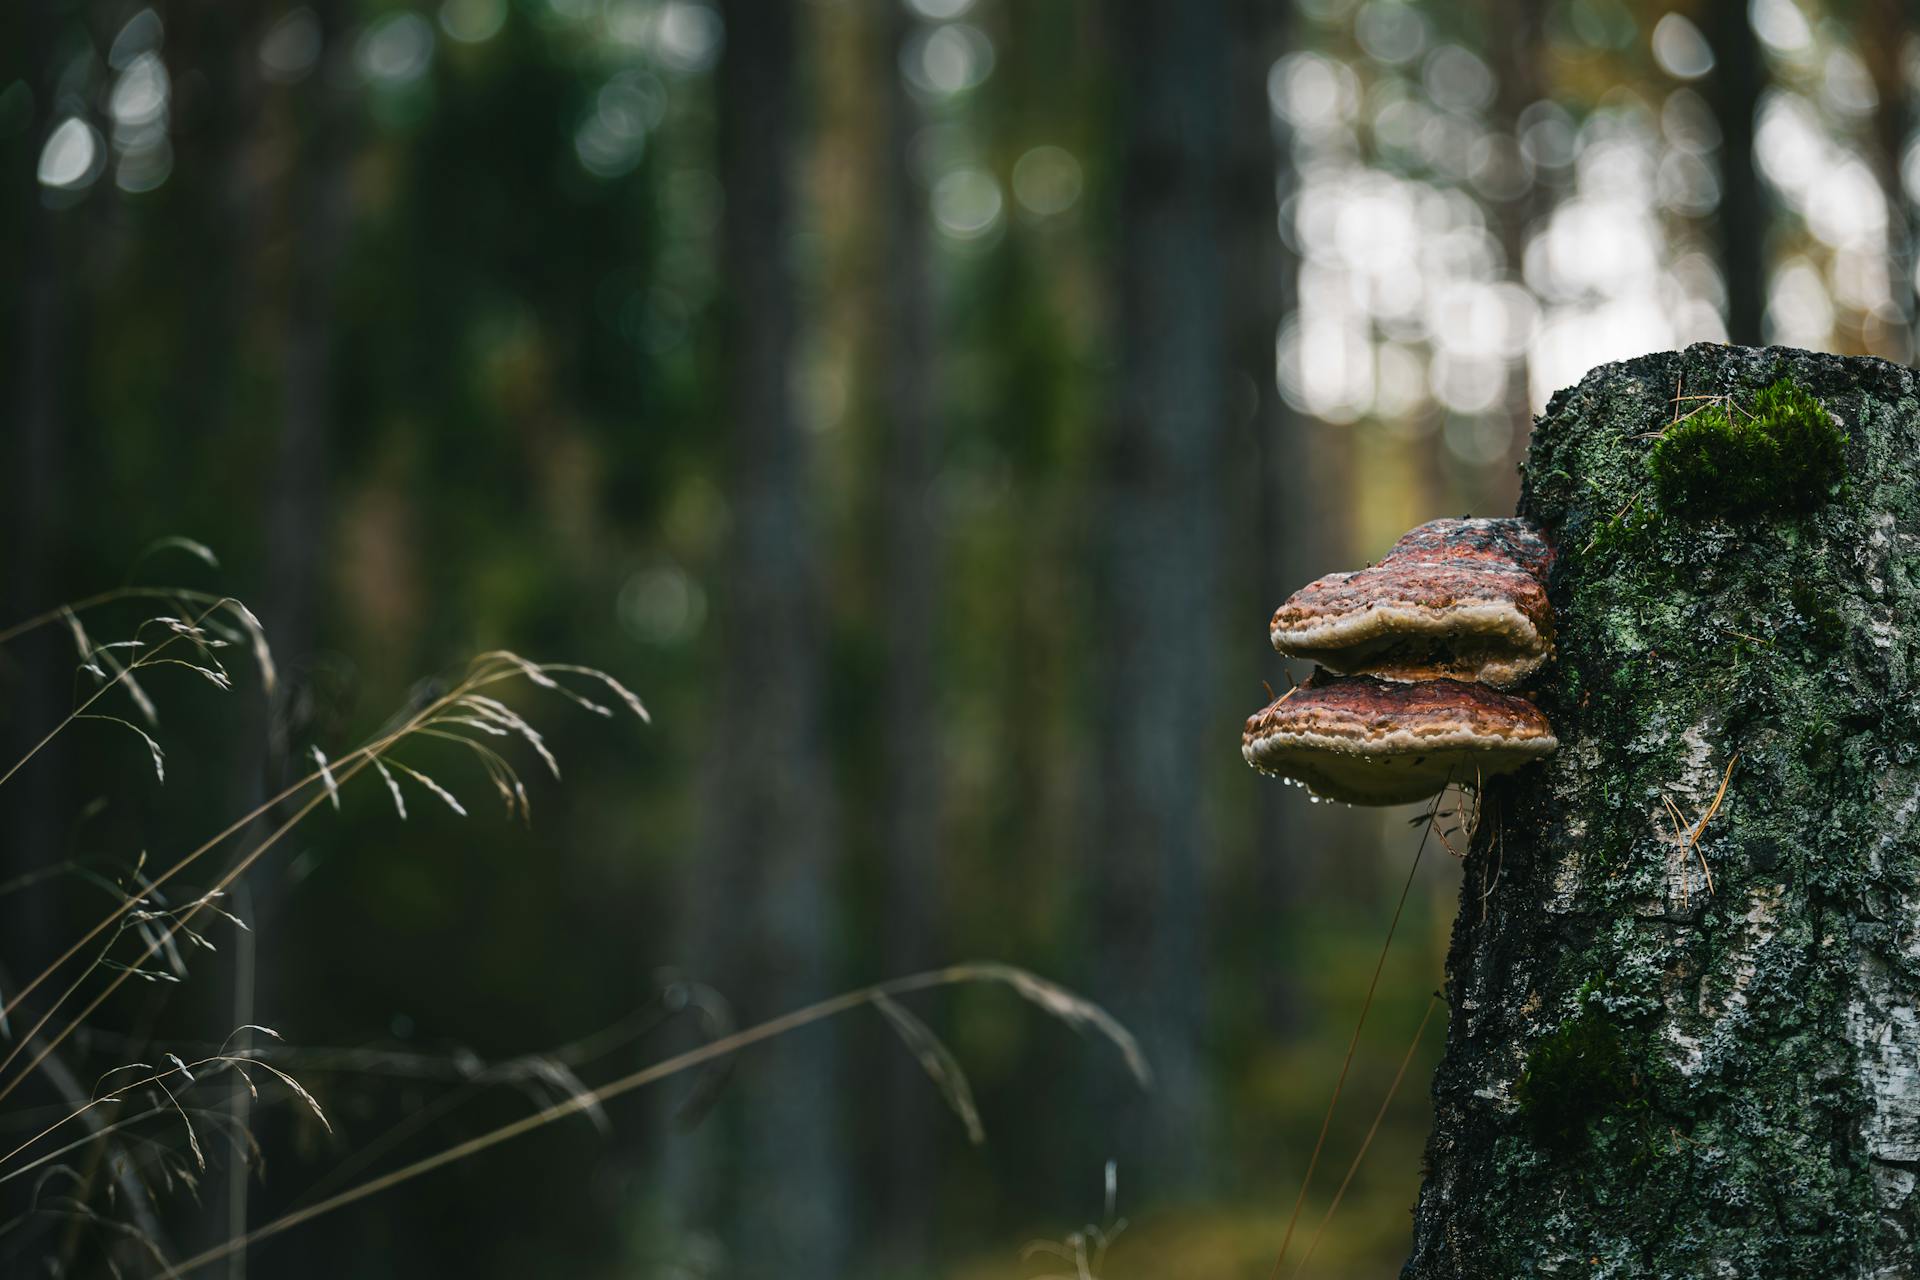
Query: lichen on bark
point(1757, 1112)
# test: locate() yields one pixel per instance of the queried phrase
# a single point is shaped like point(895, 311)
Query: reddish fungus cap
point(1460, 599)
point(1502, 540)
point(1368, 741)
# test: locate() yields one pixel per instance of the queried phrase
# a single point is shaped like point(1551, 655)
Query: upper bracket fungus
point(1461, 599)
point(1368, 741)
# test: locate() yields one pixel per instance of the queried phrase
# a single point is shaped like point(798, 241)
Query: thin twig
point(1313, 1161)
point(1679, 838)
point(1688, 835)
point(1718, 796)
point(1616, 518)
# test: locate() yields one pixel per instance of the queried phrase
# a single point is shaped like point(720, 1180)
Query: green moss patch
point(1784, 452)
point(1574, 1077)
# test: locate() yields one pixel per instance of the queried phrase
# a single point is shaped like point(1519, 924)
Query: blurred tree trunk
point(1687, 1062)
point(1158, 621)
point(1517, 37)
point(1258, 285)
point(1887, 30)
point(909, 573)
point(300, 296)
point(764, 892)
point(1733, 90)
point(39, 665)
point(222, 128)
point(295, 533)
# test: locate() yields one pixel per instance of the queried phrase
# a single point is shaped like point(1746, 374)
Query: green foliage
point(1575, 1076)
point(1782, 454)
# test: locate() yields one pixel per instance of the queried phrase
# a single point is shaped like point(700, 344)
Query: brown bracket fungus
point(1456, 611)
point(1464, 599)
point(1375, 742)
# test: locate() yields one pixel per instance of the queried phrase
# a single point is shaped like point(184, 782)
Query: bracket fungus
point(1463, 599)
point(1424, 643)
point(1368, 741)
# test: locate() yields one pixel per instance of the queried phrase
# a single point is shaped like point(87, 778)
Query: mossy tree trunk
point(1647, 1074)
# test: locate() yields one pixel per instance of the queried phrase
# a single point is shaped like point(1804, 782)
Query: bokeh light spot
point(1687, 184)
point(142, 33)
point(688, 36)
point(1456, 79)
point(1478, 438)
point(1799, 312)
point(1680, 49)
point(395, 50)
point(1846, 87)
point(291, 47)
point(1780, 25)
point(1312, 93)
point(1547, 135)
point(1046, 180)
point(140, 93)
point(661, 605)
point(72, 157)
point(1686, 122)
point(948, 59)
point(1390, 31)
point(966, 203)
point(472, 21)
point(144, 168)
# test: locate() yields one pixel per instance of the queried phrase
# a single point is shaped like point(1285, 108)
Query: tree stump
point(1672, 1056)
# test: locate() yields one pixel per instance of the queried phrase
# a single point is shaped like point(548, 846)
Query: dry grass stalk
point(487, 671)
point(1079, 1012)
point(465, 714)
point(1086, 1249)
point(1373, 1129)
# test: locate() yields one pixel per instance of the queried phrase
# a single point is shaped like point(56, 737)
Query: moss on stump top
point(1733, 455)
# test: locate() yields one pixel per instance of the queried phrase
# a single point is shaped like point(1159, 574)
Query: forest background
point(922, 407)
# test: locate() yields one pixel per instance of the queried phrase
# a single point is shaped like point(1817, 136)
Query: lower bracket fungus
point(1463, 599)
point(1377, 742)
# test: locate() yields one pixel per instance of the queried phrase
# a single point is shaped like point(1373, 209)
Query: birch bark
point(1647, 1073)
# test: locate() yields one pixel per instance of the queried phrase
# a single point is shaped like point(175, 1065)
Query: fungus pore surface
point(1377, 742)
